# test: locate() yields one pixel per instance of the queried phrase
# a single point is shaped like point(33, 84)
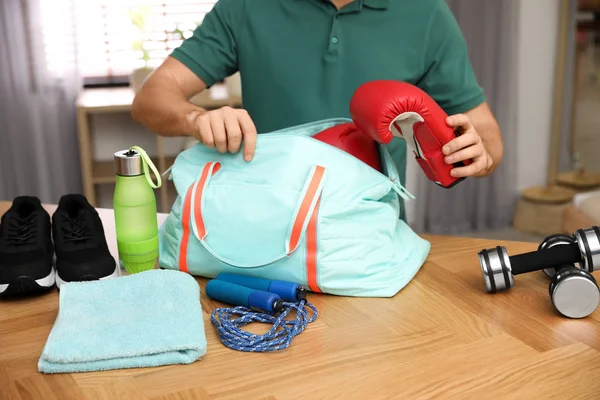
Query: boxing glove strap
point(427, 169)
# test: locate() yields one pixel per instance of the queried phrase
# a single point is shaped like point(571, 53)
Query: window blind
point(108, 39)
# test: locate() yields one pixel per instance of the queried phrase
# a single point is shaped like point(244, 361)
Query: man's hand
point(225, 128)
point(467, 146)
point(162, 105)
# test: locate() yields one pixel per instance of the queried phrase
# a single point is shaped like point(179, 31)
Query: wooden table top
point(440, 337)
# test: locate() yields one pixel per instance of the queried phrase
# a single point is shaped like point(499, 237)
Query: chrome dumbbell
point(499, 269)
point(574, 291)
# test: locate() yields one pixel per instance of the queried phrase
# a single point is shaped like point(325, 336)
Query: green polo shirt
point(301, 60)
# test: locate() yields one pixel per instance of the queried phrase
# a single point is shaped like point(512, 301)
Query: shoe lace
point(22, 231)
point(75, 229)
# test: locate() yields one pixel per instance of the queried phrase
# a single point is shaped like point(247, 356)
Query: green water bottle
point(135, 210)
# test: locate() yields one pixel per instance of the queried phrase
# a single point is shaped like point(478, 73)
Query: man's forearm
point(487, 128)
point(492, 141)
point(165, 113)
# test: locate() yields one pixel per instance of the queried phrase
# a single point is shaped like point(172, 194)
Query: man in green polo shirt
point(301, 61)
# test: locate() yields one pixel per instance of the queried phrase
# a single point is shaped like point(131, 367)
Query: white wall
point(538, 29)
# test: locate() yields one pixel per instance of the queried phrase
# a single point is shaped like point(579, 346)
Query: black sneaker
point(82, 253)
point(26, 251)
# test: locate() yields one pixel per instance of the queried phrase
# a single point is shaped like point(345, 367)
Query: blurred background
point(69, 71)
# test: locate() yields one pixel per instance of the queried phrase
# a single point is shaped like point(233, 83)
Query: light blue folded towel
point(147, 319)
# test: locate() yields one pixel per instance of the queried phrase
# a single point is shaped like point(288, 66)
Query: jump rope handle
point(238, 295)
point(287, 291)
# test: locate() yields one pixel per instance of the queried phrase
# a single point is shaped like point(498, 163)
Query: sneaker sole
point(27, 284)
point(87, 278)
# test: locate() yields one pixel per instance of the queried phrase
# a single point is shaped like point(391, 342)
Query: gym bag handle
point(305, 207)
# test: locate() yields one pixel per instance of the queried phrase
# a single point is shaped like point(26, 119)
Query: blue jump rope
point(258, 300)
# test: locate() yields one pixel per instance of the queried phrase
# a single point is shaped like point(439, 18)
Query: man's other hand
point(467, 146)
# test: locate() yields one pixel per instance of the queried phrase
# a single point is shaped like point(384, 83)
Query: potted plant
point(139, 17)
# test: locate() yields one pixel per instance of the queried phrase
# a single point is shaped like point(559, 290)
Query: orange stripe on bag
point(313, 187)
point(186, 213)
point(311, 250)
point(199, 219)
point(185, 236)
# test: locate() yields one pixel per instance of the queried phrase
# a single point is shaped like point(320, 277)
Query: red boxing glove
point(346, 137)
point(384, 109)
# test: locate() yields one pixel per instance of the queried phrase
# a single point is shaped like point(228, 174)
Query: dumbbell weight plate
point(495, 267)
point(551, 241)
point(588, 241)
point(574, 292)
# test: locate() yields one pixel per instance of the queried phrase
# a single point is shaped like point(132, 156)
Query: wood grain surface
point(442, 337)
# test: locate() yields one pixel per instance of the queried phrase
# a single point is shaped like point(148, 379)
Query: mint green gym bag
point(300, 211)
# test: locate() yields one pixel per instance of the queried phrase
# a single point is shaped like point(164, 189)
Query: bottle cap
point(128, 163)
